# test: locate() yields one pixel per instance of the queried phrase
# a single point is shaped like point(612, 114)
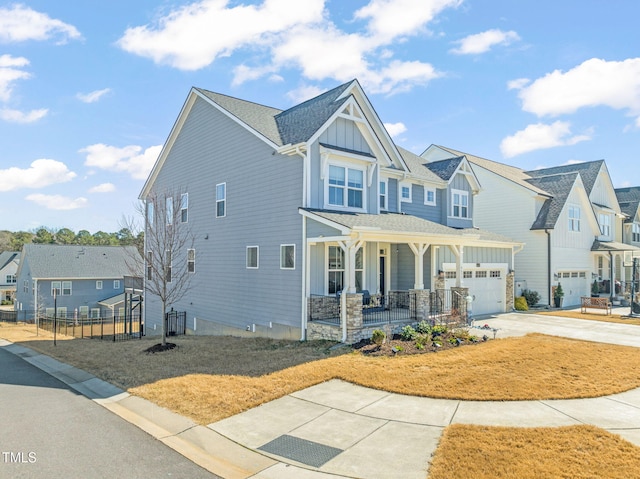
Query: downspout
point(548, 264)
point(612, 280)
point(305, 280)
point(35, 304)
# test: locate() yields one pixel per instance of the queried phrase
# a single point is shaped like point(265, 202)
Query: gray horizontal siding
point(264, 192)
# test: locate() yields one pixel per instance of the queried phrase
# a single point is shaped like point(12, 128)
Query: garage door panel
point(486, 286)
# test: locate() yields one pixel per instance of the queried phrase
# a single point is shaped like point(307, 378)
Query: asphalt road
point(47, 430)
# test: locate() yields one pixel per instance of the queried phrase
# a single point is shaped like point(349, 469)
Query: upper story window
point(287, 256)
point(11, 278)
point(169, 210)
point(346, 186)
point(605, 224)
point(99, 284)
point(221, 200)
point(184, 207)
point(61, 288)
point(459, 204)
point(116, 284)
point(574, 218)
point(429, 196)
point(635, 233)
point(150, 212)
point(384, 198)
point(405, 192)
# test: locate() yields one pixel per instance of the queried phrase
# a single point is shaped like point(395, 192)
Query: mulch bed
point(397, 346)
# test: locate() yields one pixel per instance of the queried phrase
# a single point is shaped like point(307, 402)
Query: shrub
point(438, 329)
point(532, 297)
point(378, 336)
point(423, 327)
point(520, 304)
point(408, 333)
point(422, 340)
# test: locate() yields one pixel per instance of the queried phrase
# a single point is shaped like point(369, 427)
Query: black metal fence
point(115, 328)
point(447, 307)
point(9, 316)
point(175, 323)
point(394, 306)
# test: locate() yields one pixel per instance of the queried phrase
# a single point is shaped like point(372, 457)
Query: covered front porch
point(361, 276)
point(613, 275)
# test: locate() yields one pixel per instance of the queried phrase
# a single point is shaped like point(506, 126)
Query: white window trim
point(345, 205)
point(343, 269)
point(99, 284)
point(605, 224)
point(635, 233)
point(193, 261)
point(462, 194)
point(222, 200)
point(116, 284)
point(404, 184)
point(384, 181)
point(257, 266)
point(169, 210)
point(282, 250)
point(430, 203)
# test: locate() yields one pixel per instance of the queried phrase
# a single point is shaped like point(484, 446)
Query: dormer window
point(345, 187)
point(605, 224)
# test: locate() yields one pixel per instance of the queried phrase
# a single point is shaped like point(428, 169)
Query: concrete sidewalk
point(337, 429)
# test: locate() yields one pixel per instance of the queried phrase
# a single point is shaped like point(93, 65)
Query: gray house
point(82, 277)
point(8, 268)
point(304, 217)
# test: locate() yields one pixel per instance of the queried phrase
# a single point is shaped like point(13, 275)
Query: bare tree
point(168, 240)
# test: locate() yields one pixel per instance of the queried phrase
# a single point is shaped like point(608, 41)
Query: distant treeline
point(10, 241)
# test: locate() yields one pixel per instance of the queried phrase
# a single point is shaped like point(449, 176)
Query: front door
point(382, 283)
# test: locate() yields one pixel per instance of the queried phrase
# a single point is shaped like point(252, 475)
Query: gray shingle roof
point(629, 201)
point(7, 257)
point(73, 261)
point(445, 168)
point(612, 246)
point(560, 187)
point(418, 166)
point(588, 172)
point(403, 223)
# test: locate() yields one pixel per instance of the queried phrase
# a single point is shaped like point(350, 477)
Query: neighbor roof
point(588, 170)
point(7, 257)
point(560, 187)
point(80, 262)
point(629, 201)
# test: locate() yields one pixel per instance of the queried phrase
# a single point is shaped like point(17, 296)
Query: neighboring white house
point(567, 216)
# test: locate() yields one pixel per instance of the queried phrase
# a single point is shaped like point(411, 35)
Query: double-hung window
point(336, 268)
point(184, 207)
point(169, 210)
point(635, 233)
point(574, 218)
point(346, 186)
point(459, 204)
point(116, 284)
point(150, 213)
point(384, 200)
point(191, 260)
point(405, 192)
point(11, 278)
point(605, 224)
point(61, 288)
point(99, 284)
point(221, 200)
point(149, 265)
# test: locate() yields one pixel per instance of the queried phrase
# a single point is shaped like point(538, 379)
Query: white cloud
point(595, 82)
point(58, 202)
point(518, 84)
point(281, 34)
point(130, 159)
point(304, 93)
point(10, 72)
point(93, 96)
point(19, 23)
point(540, 136)
point(103, 188)
point(483, 42)
point(395, 129)
point(184, 39)
point(17, 116)
point(43, 172)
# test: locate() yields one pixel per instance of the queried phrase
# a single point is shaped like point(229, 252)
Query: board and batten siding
point(459, 182)
point(263, 193)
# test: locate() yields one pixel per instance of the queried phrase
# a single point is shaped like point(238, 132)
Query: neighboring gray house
point(8, 267)
point(81, 276)
point(299, 211)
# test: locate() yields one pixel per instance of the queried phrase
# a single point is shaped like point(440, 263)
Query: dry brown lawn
point(210, 378)
point(593, 316)
point(573, 452)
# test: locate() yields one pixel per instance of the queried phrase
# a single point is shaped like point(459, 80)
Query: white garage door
point(486, 286)
point(574, 285)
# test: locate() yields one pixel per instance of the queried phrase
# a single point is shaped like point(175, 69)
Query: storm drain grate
point(300, 450)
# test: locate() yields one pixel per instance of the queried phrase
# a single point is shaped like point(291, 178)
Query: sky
point(89, 90)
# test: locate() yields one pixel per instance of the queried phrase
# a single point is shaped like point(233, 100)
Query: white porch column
point(458, 252)
point(350, 249)
point(419, 249)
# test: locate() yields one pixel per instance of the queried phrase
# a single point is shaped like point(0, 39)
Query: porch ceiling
point(402, 227)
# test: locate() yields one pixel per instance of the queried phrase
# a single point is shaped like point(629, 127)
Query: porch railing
point(394, 306)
